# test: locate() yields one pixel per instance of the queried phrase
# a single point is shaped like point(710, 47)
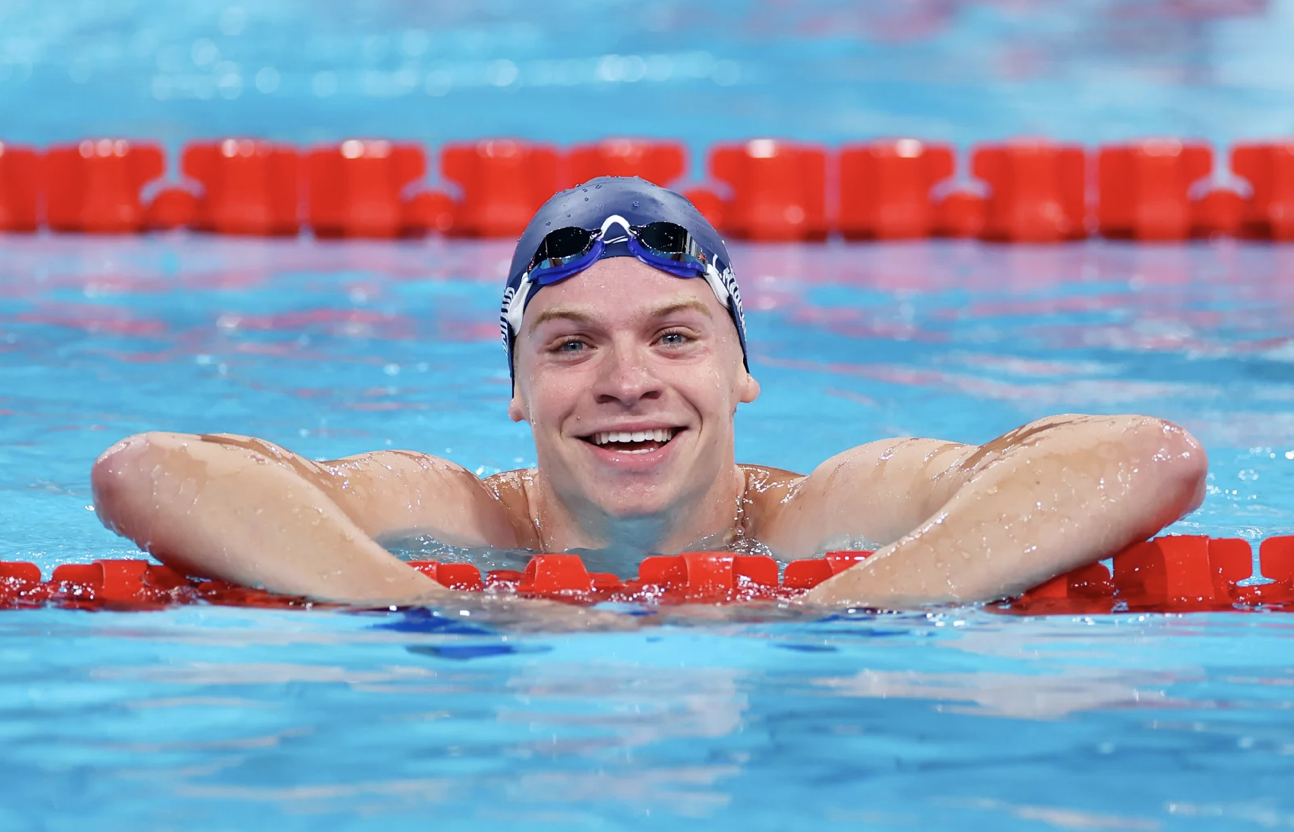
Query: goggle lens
point(567, 251)
point(562, 246)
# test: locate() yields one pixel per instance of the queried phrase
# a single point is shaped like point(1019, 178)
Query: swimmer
point(626, 340)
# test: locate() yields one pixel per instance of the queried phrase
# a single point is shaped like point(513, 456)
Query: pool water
point(957, 718)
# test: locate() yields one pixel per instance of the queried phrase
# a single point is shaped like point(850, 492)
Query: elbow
point(112, 476)
point(1174, 462)
point(123, 481)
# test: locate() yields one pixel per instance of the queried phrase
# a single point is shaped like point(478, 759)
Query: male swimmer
point(627, 345)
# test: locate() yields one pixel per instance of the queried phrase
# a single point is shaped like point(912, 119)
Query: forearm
point(233, 514)
point(1032, 509)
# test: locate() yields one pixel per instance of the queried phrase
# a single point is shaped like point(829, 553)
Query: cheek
point(708, 387)
point(549, 398)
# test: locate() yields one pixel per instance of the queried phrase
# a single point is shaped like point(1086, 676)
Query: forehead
point(622, 289)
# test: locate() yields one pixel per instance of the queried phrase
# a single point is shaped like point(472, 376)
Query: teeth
point(658, 435)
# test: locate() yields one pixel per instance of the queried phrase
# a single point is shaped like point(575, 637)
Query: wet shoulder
point(767, 490)
point(512, 490)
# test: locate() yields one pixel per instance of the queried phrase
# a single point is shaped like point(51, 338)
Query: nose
point(625, 377)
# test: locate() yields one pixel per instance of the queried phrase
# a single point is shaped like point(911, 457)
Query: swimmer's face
point(629, 378)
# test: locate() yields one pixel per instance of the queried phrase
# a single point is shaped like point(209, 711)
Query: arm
point(966, 523)
point(250, 512)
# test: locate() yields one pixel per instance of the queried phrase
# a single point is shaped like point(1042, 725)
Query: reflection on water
point(236, 718)
point(905, 720)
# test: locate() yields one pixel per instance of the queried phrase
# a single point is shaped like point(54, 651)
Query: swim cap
point(616, 216)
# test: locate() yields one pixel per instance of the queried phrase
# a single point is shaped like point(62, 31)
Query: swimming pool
point(223, 718)
point(216, 718)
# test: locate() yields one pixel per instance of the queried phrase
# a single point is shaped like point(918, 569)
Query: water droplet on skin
point(548, 223)
point(586, 199)
point(597, 187)
point(586, 190)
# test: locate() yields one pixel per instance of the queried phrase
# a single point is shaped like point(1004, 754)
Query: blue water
point(960, 719)
point(573, 70)
point(222, 719)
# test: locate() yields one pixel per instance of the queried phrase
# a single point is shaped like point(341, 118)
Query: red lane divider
point(1218, 213)
point(1268, 214)
point(808, 573)
point(960, 213)
point(1168, 574)
point(885, 189)
point(1026, 190)
point(21, 175)
point(1088, 590)
point(779, 190)
point(1145, 188)
point(504, 181)
point(660, 162)
point(1037, 191)
point(95, 186)
point(356, 188)
point(249, 186)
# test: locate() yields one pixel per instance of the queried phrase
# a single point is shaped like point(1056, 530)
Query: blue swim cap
point(616, 216)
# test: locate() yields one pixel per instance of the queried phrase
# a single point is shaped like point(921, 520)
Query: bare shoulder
point(868, 495)
point(767, 491)
point(386, 493)
point(512, 491)
point(417, 492)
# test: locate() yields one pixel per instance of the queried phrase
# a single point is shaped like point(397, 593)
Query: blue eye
point(674, 339)
point(572, 345)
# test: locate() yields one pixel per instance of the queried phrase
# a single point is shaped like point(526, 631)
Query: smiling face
point(629, 378)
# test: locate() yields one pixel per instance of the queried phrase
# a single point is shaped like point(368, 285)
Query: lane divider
point(1168, 574)
point(1018, 191)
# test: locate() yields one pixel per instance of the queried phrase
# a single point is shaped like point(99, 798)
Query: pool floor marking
point(1021, 190)
point(1176, 573)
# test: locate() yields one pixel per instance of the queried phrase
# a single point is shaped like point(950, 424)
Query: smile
point(633, 442)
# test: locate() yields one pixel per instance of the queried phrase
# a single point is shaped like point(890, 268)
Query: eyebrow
point(666, 309)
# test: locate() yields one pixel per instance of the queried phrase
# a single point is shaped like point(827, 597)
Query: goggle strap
point(616, 219)
point(517, 305)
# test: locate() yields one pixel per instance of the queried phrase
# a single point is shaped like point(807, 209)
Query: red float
point(1092, 581)
point(118, 582)
point(659, 162)
point(1167, 574)
point(809, 572)
point(960, 214)
point(708, 203)
point(1276, 562)
point(885, 188)
point(1269, 211)
point(172, 208)
point(1037, 191)
point(708, 576)
point(429, 212)
point(356, 188)
point(503, 182)
point(1144, 188)
point(555, 574)
point(460, 576)
point(252, 186)
point(1217, 214)
point(20, 185)
point(778, 189)
point(95, 186)
point(1182, 572)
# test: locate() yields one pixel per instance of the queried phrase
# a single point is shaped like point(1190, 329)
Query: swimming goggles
point(566, 252)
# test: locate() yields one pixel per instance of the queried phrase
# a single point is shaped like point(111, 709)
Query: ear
point(517, 407)
point(748, 388)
